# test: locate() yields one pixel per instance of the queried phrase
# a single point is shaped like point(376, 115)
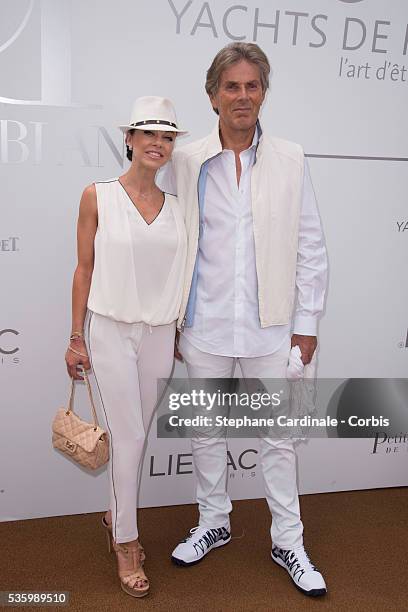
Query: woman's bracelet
point(76, 334)
point(76, 352)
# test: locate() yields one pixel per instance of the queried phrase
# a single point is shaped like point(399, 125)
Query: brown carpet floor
point(358, 539)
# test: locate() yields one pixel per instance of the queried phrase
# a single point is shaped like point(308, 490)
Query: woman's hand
point(74, 360)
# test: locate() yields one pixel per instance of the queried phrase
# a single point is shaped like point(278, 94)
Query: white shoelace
point(302, 558)
point(192, 532)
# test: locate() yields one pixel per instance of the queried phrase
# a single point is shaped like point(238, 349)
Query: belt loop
point(150, 329)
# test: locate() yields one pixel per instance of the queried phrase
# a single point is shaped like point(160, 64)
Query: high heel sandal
point(109, 537)
point(130, 569)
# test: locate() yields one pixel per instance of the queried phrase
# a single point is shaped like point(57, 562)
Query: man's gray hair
point(231, 54)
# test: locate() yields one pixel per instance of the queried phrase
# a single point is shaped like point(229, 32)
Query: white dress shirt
point(226, 320)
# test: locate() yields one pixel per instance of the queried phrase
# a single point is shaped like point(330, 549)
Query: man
point(254, 239)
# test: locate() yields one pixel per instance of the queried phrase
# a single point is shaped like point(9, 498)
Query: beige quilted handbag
point(86, 443)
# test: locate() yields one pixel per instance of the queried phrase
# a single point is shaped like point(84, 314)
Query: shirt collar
point(255, 140)
point(214, 146)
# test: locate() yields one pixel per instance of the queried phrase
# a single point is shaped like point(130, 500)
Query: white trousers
point(127, 359)
point(277, 456)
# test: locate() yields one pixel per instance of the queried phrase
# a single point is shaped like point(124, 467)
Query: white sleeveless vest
point(117, 290)
point(276, 190)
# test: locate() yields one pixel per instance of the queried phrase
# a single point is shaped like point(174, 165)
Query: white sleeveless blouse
point(138, 267)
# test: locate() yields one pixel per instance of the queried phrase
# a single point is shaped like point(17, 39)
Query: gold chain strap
point(71, 398)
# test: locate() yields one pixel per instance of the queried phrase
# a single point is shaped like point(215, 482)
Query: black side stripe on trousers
point(107, 423)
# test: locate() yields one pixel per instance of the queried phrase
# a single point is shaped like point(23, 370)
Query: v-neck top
point(138, 266)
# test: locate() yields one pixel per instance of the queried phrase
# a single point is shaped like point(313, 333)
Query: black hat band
point(150, 121)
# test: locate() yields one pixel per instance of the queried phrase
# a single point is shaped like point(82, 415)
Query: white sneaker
point(303, 573)
point(200, 541)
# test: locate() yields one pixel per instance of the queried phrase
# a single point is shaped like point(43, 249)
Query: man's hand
point(307, 345)
point(177, 353)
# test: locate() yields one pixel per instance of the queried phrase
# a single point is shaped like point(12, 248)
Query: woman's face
point(151, 148)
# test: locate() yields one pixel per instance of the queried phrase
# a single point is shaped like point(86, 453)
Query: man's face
point(239, 96)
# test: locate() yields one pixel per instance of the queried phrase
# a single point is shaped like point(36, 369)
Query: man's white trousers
point(277, 456)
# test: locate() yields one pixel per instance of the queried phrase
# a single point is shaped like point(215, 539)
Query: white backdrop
point(69, 73)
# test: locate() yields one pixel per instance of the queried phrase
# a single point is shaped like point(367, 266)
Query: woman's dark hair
point(129, 152)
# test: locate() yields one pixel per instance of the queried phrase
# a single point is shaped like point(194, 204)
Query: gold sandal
point(133, 580)
point(109, 537)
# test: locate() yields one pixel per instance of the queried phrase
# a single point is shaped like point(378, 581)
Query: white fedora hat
point(153, 113)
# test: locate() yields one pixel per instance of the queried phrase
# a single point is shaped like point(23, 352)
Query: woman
point(131, 257)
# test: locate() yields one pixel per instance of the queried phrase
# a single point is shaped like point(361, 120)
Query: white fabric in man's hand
point(296, 370)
